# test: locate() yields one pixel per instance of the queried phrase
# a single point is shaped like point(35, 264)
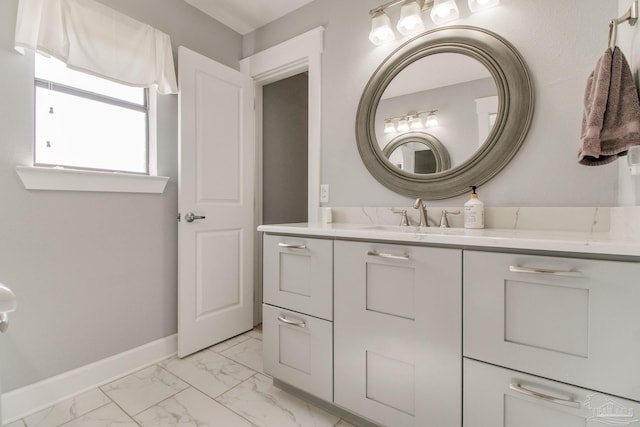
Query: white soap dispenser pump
point(474, 211)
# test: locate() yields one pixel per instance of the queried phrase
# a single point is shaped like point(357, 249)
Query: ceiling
point(244, 16)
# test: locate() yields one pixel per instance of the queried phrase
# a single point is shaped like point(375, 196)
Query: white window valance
point(91, 37)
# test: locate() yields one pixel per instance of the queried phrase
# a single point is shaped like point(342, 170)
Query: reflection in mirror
point(452, 84)
point(417, 153)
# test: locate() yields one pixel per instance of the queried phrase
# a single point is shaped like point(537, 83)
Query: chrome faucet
point(424, 220)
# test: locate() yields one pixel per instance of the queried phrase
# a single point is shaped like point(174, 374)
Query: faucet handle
point(444, 221)
point(404, 221)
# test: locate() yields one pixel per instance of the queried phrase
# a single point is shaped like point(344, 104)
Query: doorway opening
point(285, 150)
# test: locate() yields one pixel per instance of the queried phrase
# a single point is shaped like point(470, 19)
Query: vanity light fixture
point(411, 21)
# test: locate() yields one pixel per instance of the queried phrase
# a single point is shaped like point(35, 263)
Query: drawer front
point(499, 397)
point(298, 274)
point(580, 325)
point(298, 350)
point(397, 333)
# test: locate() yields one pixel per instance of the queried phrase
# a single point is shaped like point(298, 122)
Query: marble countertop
point(598, 243)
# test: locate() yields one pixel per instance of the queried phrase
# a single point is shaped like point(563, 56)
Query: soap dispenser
point(474, 211)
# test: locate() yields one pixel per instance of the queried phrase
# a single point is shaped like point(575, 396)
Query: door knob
point(190, 217)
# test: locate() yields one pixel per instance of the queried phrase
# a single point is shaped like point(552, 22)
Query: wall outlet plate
point(324, 193)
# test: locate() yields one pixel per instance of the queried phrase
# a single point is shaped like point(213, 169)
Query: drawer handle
point(520, 269)
point(298, 323)
point(389, 256)
point(292, 246)
point(567, 402)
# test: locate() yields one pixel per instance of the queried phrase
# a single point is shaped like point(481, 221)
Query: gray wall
point(560, 41)
point(285, 150)
point(95, 273)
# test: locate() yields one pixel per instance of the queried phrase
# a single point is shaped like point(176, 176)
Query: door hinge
point(179, 217)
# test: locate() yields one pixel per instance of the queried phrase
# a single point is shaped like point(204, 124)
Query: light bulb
point(477, 5)
point(415, 123)
point(403, 125)
point(381, 31)
point(389, 127)
point(410, 18)
point(432, 120)
point(444, 10)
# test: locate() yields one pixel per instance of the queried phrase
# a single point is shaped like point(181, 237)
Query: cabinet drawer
point(298, 274)
point(298, 350)
point(500, 397)
point(580, 325)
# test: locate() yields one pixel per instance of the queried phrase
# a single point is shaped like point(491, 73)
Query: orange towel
point(611, 120)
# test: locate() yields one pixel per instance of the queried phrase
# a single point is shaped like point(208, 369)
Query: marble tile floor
point(221, 386)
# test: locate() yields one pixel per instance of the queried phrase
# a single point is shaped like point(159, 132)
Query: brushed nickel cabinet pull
point(298, 323)
point(560, 401)
point(563, 273)
point(292, 246)
point(387, 255)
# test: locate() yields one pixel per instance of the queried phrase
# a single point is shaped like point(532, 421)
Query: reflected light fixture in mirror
point(412, 121)
point(411, 21)
point(389, 127)
point(432, 120)
point(403, 125)
point(415, 123)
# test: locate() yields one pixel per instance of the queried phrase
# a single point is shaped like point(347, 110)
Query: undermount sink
point(416, 229)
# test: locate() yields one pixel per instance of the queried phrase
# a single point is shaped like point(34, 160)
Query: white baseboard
point(21, 402)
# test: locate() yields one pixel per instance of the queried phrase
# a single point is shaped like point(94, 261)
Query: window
point(87, 122)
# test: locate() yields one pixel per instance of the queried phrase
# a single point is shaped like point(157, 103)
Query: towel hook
point(613, 33)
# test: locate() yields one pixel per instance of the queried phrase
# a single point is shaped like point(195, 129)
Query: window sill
point(41, 178)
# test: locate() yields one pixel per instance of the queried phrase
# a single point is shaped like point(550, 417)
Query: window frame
point(53, 177)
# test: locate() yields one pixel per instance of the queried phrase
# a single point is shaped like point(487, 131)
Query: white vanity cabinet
point(471, 333)
point(297, 312)
point(397, 333)
point(572, 320)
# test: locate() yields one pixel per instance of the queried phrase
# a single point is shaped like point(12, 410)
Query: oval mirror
point(477, 88)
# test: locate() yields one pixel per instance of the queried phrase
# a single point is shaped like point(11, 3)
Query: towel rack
point(631, 16)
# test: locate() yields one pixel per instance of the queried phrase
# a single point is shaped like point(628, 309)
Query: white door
point(215, 252)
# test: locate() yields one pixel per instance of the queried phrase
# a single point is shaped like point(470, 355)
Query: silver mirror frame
point(440, 153)
point(515, 112)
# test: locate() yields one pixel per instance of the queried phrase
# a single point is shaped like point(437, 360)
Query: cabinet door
point(499, 397)
point(298, 274)
point(397, 333)
point(298, 350)
point(573, 320)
